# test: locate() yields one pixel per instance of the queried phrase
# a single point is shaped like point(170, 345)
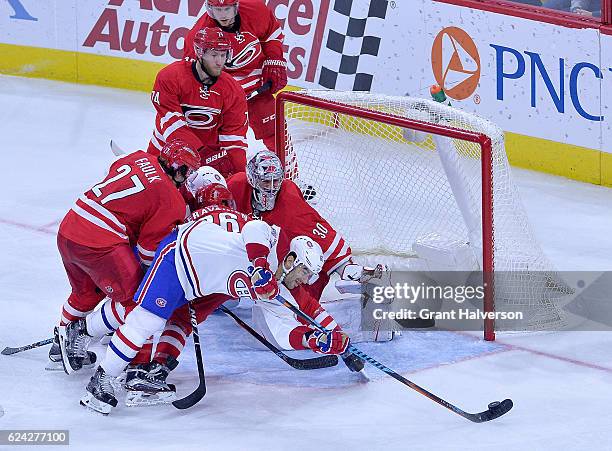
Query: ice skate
point(100, 394)
point(74, 340)
point(146, 385)
point(55, 356)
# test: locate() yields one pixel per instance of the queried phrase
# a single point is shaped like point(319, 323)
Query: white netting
point(383, 187)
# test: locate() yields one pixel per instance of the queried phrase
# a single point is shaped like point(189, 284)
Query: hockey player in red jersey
point(135, 206)
point(197, 102)
point(274, 321)
point(257, 55)
point(212, 201)
point(263, 192)
point(197, 260)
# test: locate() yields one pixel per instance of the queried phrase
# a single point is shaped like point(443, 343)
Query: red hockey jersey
point(259, 37)
point(295, 217)
point(136, 204)
point(212, 119)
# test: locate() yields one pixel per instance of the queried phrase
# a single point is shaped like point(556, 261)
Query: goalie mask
point(265, 174)
point(307, 261)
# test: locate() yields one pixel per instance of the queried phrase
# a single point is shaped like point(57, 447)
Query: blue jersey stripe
point(119, 353)
point(186, 269)
point(105, 319)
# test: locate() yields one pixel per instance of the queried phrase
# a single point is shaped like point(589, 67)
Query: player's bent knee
point(143, 322)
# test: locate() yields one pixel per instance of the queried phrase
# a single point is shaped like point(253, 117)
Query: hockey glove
point(263, 280)
point(362, 274)
point(275, 71)
point(334, 342)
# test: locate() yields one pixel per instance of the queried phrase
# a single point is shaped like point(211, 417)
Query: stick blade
point(192, 399)
point(9, 351)
point(315, 363)
point(117, 151)
point(494, 412)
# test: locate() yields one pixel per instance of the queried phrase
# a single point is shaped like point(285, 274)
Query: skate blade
point(363, 376)
point(90, 402)
point(59, 366)
point(144, 399)
point(54, 366)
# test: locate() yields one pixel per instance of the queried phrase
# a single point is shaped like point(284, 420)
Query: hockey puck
point(1, 411)
point(494, 404)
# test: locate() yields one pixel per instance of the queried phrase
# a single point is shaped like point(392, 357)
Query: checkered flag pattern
point(352, 37)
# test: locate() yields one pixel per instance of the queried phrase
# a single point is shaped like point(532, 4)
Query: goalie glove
point(275, 71)
point(334, 342)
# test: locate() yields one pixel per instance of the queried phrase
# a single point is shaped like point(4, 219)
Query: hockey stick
point(117, 151)
point(325, 361)
point(10, 351)
point(495, 409)
point(193, 398)
point(263, 88)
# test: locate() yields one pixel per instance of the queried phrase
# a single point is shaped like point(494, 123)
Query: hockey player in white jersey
point(200, 259)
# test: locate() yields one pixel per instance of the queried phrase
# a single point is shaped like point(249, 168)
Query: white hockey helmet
point(265, 174)
point(307, 252)
point(202, 177)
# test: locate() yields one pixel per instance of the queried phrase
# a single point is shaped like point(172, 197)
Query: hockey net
point(392, 172)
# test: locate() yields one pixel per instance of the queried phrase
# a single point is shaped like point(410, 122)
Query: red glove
point(334, 342)
point(275, 71)
point(263, 280)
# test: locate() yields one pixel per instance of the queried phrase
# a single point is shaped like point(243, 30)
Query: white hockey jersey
point(211, 260)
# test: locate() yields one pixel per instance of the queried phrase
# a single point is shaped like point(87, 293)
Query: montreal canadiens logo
point(203, 118)
point(161, 302)
point(239, 285)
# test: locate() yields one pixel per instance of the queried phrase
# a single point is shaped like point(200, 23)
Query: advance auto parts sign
point(455, 62)
point(152, 30)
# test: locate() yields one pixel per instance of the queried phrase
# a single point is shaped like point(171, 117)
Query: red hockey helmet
point(214, 194)
point(221, 3)
point(178, 156)
point(210, 38)
point(223, 11)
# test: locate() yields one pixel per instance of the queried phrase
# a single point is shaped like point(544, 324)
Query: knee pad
point(141, 324)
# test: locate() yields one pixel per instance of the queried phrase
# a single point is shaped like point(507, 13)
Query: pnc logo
point(455, 63)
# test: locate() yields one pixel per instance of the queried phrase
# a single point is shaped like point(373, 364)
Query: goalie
point(264, 193)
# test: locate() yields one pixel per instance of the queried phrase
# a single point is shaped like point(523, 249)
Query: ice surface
point(55, 144)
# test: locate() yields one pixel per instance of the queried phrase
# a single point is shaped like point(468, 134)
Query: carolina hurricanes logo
point(201, 117)
point(239, 285)
point(243, 56)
